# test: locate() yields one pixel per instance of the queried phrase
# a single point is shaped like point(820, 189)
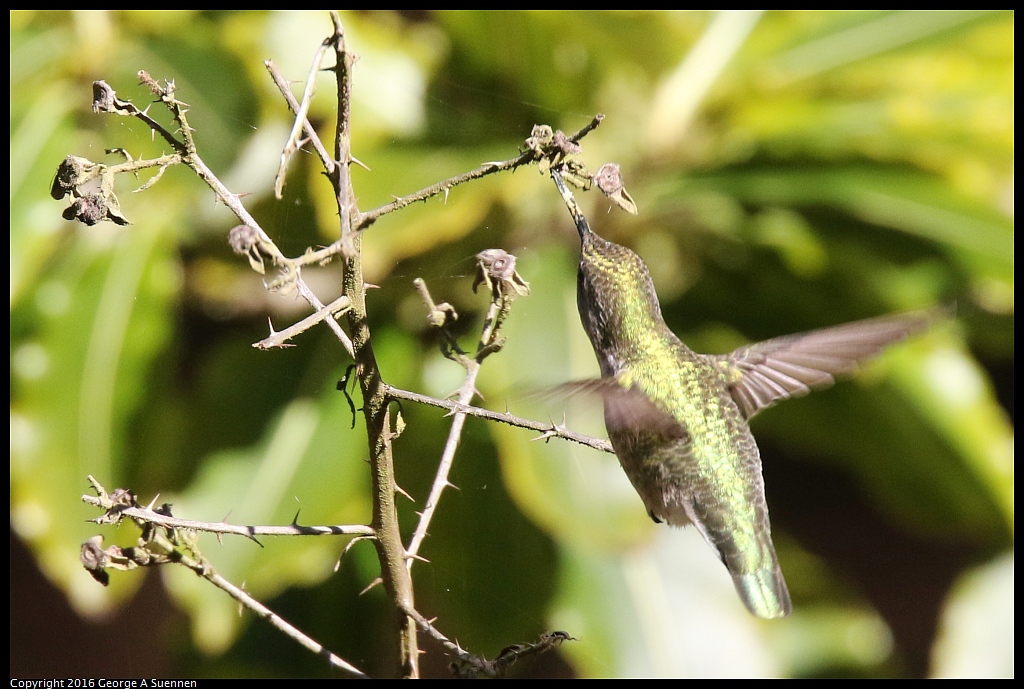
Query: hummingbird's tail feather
point(751, 561)
point(764, 592)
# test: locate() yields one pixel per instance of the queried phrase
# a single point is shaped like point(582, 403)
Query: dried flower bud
point(72, 172)
point(576, 173)
point(104, 99)
point(609, 180)
point(122, 497)
point(561, 142)
point(550, 148)
point(496, 268)
point(95, 559)
point(92, 208)
point(242, 238)
point(540, 139)
point(498, 263)
point(89, 209)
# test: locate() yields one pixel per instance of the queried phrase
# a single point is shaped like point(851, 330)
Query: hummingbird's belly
point(653, 467)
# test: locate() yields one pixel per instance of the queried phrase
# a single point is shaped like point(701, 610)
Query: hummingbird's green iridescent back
point(678, 420)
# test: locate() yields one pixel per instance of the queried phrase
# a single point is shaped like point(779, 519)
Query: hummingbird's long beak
point(570, 202)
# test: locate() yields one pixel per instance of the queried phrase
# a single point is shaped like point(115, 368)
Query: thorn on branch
point(121, 152)
point(152, 180)
point(371, 585)
point(401, 491)
point(334, 310)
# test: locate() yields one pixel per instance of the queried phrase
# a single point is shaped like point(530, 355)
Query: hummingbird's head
point(615, 295)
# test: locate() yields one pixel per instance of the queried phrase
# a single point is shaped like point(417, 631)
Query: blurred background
point(793, 170)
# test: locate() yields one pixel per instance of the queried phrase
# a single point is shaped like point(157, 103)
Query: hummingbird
point(679, 421)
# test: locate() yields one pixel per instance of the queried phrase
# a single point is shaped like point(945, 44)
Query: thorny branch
point(294, 143)
point(470, 666)
point(496, 269)
point(311, 136)
point(122, 504)
point(364, 220)
point(163, 542)
point(335, 309)
point(547, 430)
point(168, 539)
point(91, 206)
point(380, 434)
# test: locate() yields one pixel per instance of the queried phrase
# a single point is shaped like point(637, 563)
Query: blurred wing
point(768, 372)
point(625, 408)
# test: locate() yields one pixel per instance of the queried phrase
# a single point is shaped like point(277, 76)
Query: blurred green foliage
point(793, 170)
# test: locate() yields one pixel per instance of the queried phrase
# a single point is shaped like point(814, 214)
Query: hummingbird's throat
point(617, 302)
